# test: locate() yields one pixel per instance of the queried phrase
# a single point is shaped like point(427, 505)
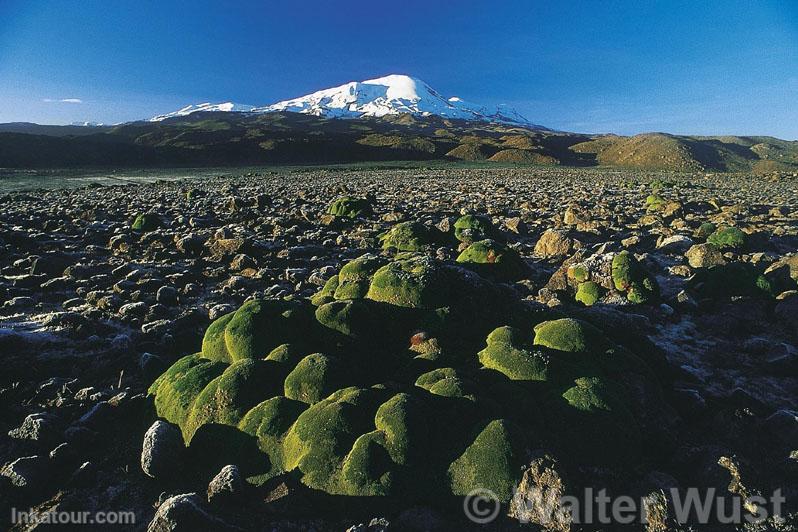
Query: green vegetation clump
point(578, 273)
point(355, 277)
point(655, 202)
point(416, 282)
point(255, 329)
point(471, 228)
point(733, 279)
point(588, 293)
point(492, 258)
point(629, 276)
point(727, 238)
point(705, 229)
point(411, 236)
point(490, 462)
point(348, 207)
point(411, 378)
point(567, 334)
point(511, 352)
point(146, 222)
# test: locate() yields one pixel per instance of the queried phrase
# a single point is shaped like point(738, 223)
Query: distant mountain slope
point(54, 131)
point(223, 138)
point(681, 153)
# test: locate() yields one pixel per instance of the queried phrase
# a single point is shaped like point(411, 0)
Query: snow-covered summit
point(207, 106)
point(389, 95)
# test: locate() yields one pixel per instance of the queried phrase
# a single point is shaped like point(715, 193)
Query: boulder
point(162, 451)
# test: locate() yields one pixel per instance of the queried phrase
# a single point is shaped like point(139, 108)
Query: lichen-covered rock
point(588, 293)
point(554, 243)
point(411, 236)
point(348, 207)
point(493, 259)
point(728, 238)
point(471, 228)
point(704, 256)
point(379, 393)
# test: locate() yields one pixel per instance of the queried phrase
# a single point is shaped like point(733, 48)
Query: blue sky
point(722, 67)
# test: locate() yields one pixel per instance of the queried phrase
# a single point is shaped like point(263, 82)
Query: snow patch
point(389, 95)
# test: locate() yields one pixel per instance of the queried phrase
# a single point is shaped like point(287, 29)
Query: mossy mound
point(588, 293)
point(256, 328)
point(629, 276)
point(355, 277)
point(348, 207)
point(471, 228)
point(146, 222)
point(705, 229)
point(733, 279)
point(613, 278)
point(411, 236)
point(394, 391)
point(728, 238)
point(568, 335)
point(655, 202)
point(493, 259)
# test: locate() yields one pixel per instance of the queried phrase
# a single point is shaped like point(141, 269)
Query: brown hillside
point(522, 156)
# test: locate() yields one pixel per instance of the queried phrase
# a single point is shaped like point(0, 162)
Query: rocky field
point(385, 342)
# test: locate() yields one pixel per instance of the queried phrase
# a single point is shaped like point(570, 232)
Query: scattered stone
point(162, 451)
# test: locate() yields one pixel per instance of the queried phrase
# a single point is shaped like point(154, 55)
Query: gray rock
point(226, 486)
point(151, 365)
point(166, 295)
point(704, 256)
point(783, 425)
point(377, 524)
point(96, 416)
point(37, 427)
point(537, 498)
point(242, 262)
point(553, 243)
point(162, 450)
point(63, 453)
point(26, 472)
point(157, 327)
point(185, 513)
point(675, 244)
point(137, 309)
point(217, 311)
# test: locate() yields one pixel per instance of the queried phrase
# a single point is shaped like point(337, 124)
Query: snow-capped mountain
point(187, 110)
point(390, 95)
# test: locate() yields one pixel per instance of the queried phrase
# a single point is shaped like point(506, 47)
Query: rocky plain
point(94, 310)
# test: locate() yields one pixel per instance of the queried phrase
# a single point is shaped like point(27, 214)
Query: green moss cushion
point(493, 259)
point(146, 222)
point(569, 335)
point(733, 279)
point(432, 383)
point(256, 328)
point(348, 207)
point(411, 236)
point(588, 293)
point(629, 276)
point(471, 228)
point(728, 238)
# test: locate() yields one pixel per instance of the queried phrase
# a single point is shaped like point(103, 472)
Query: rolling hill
point(221, 138)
